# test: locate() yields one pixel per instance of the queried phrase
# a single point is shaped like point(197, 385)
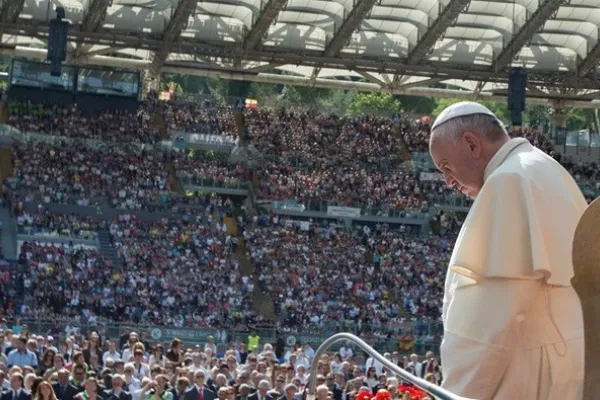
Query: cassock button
point(520, 318)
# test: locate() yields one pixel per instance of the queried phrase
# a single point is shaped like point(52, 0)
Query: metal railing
point(434, 390)
point(321, 206)
point(10, 132)
point(157, 333)
point(196, 180)
point(47, 233)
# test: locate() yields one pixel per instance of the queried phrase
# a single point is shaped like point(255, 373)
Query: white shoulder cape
point(522, 223)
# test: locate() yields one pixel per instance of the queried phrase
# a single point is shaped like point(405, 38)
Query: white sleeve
point(482, 323)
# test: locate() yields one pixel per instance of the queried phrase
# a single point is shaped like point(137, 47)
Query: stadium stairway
point(8, 234)
point(3, 113)
point(174, 182)
point(159, 122)
point(6, 164)
point(8, 225)
point(255, 181)
point(107, 248)
point(402, 146)
point(263, 303)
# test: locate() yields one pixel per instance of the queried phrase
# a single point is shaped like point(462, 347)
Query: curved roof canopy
point(392, 45)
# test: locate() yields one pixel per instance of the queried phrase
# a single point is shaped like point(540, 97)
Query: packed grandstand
point(123, 249)
point(155, 250)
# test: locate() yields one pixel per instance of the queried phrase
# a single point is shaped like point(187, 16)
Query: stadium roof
point(399, 46)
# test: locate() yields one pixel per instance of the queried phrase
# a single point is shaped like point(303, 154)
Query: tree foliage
point(383, 104)
point(338, 102)
point(350, 102)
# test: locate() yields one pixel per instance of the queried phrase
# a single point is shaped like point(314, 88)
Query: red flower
point(383, 394)
point(413, 392)
point(364, 395)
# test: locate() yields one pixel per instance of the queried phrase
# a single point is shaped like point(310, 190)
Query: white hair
point(322, 388)
point(264, 384)
point(392, 381)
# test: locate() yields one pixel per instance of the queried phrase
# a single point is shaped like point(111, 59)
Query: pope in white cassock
point(513, 323)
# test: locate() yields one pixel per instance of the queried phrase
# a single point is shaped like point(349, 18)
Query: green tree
point(420, 105)
point(338, 102)
point(289, 97)
point(382, 104)
point(579, 119)
point(537, 115)
point(219, 89)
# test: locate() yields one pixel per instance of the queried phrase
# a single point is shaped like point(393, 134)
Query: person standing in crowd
point(90, 390)
point(182, 384)
point(253, 341)
point(22, 356)
point(198, 391)
point(63, 388)
point(45, 391)
point(111, 353)
point(16, 391)
point(508, 295)
point(262, 392)
point(141, 369)
point(175, 353)
point(117, 392)
point(156, 389)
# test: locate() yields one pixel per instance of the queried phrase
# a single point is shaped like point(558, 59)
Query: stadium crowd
point(215, 166)
point(77, 174)
point(323, 273)
point(68, 121)
point(180, 271)
point(368, 276)
point(207, 119)
point(76, 365)
point(343, 161)
point(323, 160)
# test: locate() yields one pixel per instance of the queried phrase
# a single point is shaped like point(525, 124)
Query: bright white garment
point(513, 323)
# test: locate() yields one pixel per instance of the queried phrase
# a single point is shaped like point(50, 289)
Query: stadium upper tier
point(396, 45)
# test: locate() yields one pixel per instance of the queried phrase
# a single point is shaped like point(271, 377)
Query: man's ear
point(473, 144)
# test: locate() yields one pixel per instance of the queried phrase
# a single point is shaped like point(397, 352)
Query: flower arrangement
point(364, 394)
point(383, 394)
point(414, 393)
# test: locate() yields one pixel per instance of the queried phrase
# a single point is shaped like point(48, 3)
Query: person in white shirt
point(267, 348)
point(140, 369)
point(414, 366)
point(301, 374)
point(133, 384)
point(346, 352)
point(198, 363)
point(211, 345)
point(128, 352)
point(302, 360)
point(111, 353)
point(158, 356)
point(309, 352)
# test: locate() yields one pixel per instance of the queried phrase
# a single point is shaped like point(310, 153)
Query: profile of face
point(460, 160)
